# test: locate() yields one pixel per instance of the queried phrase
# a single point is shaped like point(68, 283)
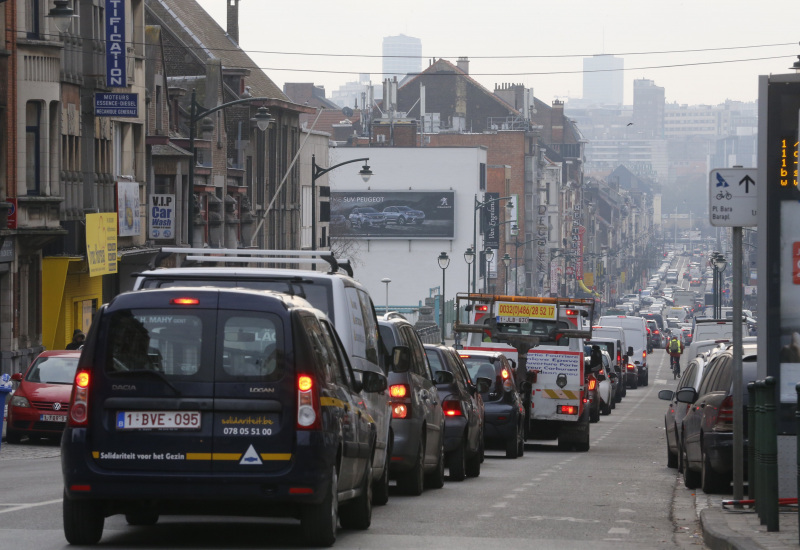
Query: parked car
point(402, 215)
point(217, 402)
point(707, 439)
point(40, 403)
point(418, 454)
point(366, 216)
point(504, 414)
point(463, 412)
point(347, 304)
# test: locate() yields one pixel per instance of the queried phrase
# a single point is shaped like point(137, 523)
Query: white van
point(635, 335)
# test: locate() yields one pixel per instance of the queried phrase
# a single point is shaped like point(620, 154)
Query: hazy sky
point(564, 30)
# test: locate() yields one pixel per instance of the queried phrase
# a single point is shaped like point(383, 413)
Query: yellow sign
point(101, 243)
point(622, 277)
point(788, 163)
point(512, 312)
point(588, 278)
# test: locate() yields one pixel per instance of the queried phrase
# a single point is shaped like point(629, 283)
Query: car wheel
point(319, 521)
point(457, 463)
point(380, 489)
point(357, 513)
point(624, 391)
point(672, 458)
point(13, 436)
point(691, 479)
point(411, 482)
point(512, 447)
point(474, 463)
point(605, 409)
point(635, 383)
point(710, 481)
point(435, 479)
point(401, 220)
point(142, 517)
point(594, 414)
point(83, 521)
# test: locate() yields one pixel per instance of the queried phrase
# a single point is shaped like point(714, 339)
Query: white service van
point(636, 336)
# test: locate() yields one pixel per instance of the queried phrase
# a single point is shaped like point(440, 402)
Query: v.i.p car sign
point(116, 72)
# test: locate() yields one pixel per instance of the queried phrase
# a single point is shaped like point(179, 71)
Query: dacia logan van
point(208, 401)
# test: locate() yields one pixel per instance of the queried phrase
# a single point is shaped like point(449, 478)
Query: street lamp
point(469, 257)
point(198, 112)
point(444, 261)
point(517, 243)
point(720, 263)
point(506, 262)
point(488, 255)
point(316, 173)
point(386, 280)
point(479, 206)
point(62, 15)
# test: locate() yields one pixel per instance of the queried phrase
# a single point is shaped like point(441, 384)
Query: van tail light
point(400, 395)
point(79, 400)
point(452, 407)
point(567, 409)
point(619, 359)
point(308, 411)
point(631, 367)
point(592, 384)
point(724, 421)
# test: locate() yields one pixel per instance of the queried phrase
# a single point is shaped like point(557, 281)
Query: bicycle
point(675, 365)
point(725, 195)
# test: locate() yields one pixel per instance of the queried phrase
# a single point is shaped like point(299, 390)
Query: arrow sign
point(747, 181)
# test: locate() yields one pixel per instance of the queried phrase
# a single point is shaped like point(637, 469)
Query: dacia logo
point(262, 390)
point(123, 387)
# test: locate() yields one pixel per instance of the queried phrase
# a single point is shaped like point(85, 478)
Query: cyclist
point(675, 350)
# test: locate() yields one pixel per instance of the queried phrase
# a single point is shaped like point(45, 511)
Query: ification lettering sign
point(162, 216)
point(116, 69)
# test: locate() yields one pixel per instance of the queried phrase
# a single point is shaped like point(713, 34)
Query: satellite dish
point(347, 111)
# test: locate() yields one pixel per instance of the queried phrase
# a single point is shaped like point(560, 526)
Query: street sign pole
point(733, 202)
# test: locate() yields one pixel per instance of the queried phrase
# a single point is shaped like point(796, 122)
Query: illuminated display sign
point(788, 162)
point(511, 312)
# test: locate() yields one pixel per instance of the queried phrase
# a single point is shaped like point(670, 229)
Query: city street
point(618, 495)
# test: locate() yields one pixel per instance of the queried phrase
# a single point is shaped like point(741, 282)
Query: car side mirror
point(443, 377)
point(16, 377)
point(686, 395)
point(666, 395)
point(483, 384)
point(401, 359)
point(373, 382)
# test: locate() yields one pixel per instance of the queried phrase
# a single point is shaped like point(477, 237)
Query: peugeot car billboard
point(393, 214)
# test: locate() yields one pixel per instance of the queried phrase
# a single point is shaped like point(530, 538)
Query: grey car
point(418, 458)
point(367, 216)
point(402, 215)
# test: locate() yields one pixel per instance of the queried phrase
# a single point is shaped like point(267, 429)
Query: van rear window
point(197, 346)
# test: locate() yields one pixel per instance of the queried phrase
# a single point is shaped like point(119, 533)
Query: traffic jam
point(272, 392)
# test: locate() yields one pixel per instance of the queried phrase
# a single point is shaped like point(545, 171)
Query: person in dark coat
point(77, 339)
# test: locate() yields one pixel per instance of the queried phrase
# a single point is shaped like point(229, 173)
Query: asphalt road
point(618, 495)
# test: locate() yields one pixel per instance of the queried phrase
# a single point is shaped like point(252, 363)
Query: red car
point(39, 405)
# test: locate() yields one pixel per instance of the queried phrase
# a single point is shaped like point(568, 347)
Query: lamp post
point(479, 206)
point(444, 261)
point(386, 280)
point(720, 263)
point(196, 113)
point(517, 243)
point(62, 15)
point(316, 173)
point(506, 262)
point(488, 255)
point(469, 257)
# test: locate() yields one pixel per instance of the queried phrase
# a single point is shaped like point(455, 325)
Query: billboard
point(128, 208)
point(101, 243)
point(392, 214)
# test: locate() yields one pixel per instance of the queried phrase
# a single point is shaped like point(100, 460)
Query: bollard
point(751, 440)
point(769, 457)
point(758, 467)
point(797, 421)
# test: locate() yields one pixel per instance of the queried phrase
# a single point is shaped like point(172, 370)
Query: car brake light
point(308, 412)
point(398, 390)
point(504, 374)
point(482, 308)
point(452, 408)
point(631, 367)
point(592, 384)
point(725, 415)
point(399, 410)
point(184, 301)
point(572, 312)
point(567, 409)
point(79, 400)
point(644, 354)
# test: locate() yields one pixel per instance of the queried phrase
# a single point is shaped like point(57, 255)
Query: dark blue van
point(216, 402)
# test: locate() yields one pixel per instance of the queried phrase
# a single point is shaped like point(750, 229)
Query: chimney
point(463, 64)
point(557, 122)
point(233, 20)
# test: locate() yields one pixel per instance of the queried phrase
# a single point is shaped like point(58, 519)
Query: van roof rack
point(258, 256)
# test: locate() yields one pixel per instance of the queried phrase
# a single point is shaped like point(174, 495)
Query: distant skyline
point(350, 37)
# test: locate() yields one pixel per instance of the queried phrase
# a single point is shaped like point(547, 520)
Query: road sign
point(733, 197)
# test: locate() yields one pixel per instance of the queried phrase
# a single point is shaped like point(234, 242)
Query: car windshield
point(53, 370)
point(403, 208)
point(480, 367)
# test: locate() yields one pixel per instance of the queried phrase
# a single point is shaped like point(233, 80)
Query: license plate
point(53, 417)
point(158, 420)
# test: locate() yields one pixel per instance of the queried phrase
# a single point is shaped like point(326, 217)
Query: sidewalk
point(740, 529)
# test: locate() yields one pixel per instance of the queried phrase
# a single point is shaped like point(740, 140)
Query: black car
point(504, 415)
point(463, 412)
point(216, 402)
point(418, 454)
point(707, 435)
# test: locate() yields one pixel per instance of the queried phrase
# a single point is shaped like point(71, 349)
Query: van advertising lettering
point(250, 425)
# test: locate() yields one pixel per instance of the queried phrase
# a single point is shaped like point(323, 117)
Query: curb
point(719, 536)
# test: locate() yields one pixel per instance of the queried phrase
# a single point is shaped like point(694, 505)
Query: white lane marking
point(520, 489)
point(660, 381)
point(500, 505)
point(15, 507)
point(510, 496)
point(485, 515)
point(626, 511)
point(623, 521)
point(619, 531)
